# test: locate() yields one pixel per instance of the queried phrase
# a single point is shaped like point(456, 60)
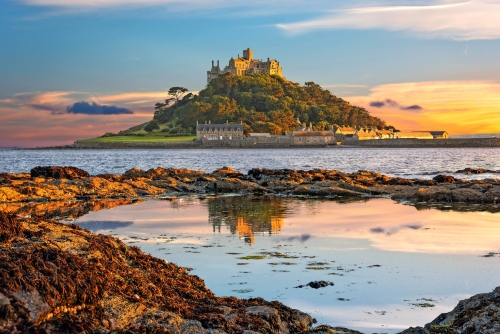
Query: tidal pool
point(392, 266)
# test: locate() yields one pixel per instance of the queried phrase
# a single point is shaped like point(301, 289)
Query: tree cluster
point(263, 103)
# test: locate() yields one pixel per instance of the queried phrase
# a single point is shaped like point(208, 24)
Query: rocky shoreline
point(44, 184)
point(60, 278)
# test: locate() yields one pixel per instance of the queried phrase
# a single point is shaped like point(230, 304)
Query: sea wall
point(260, 142)
point(417, 143)
point(135, 145)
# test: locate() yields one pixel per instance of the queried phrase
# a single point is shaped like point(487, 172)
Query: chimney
point(212, 63)
point(217, 63)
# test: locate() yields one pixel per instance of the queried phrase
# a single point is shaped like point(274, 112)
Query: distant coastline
point(392, 143)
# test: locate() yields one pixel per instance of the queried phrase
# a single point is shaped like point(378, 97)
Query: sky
point(75, 69)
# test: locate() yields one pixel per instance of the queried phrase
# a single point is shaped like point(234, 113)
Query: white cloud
point(476, 19)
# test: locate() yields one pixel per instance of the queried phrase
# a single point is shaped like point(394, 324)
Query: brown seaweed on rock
point(61, 278)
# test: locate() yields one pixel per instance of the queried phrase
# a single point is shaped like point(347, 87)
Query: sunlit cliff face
point(459, 107)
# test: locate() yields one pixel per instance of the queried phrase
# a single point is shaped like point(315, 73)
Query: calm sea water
point(408, 163)
point(392, 266)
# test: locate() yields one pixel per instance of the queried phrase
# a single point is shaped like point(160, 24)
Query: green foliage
point(263, 103)
point(157, 137)
point(152, 126)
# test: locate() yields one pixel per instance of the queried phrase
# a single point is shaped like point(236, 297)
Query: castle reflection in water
point(247, 217)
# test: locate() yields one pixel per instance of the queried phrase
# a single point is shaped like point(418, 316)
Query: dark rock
point(476, 171)
point(316, 284)
point(416, 330)
point(58, 172)
point(325, 329)
point(444, 179)
point(478, 314)
point(33, 303)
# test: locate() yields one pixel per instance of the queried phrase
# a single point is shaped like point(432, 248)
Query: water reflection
point(246, 216)
point(382, 256)
point(62, 210)
point(96, 226)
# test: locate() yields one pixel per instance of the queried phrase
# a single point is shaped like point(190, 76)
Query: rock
point(416, 330)
point(58, 172)
point(4, 301)
point(33, 303)
point(316, 284)
point(226, 172)
point(134, 173)
point(476, 171)
point(318, 183)
point(325, 329)
point(265, 312)
point(444, 179)
point(477, 314)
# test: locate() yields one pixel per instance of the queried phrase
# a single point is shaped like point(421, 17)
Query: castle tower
point(245, 65)
point(248, 54)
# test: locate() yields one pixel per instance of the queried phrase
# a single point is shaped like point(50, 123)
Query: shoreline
point(53, 183)
point(382, 143)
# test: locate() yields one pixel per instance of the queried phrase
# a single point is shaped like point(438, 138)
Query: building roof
point(218, 127)
point(435, 133)
point(346, 129)
point(415, 134)
point(312, 133)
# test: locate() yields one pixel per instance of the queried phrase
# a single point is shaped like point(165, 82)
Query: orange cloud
point(460, 107)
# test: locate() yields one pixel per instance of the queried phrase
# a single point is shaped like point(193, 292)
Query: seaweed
point(77, 276)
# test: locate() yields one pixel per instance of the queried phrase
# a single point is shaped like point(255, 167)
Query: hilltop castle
point(246, 65)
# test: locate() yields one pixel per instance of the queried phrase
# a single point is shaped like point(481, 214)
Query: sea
point(388, 265)
point(424, 163)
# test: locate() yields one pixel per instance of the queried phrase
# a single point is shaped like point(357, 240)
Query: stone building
point(344, 132)
point(219, 131)
point(440, 134)
point(313, 137)
point(415, 135)
point(366, 135)
point(386, 134)
point(246, 65)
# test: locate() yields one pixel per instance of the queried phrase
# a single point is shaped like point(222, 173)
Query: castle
point(246, 65)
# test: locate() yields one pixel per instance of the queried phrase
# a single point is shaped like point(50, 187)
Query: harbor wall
point(418, 143)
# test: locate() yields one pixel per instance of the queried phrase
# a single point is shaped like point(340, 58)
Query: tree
point(151, 126)
point(176, 93)
point(265, 103)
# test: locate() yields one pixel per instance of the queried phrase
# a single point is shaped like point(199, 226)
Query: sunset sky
point(119, 57)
